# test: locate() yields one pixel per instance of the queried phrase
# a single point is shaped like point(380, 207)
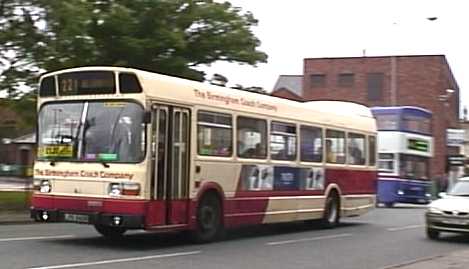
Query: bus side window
point(356, 149)
point(371, 150)
point(282, 141)
point(335, 146)
point(214, 134)
point(252, 138)
point(311, 144)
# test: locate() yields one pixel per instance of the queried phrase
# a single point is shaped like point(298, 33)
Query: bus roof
point(172, 89)
point(398, 109)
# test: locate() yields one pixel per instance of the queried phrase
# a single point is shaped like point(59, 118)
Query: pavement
point(455, 260)
point(10, 183)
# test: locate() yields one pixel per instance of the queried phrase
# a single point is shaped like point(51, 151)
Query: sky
point(292, 30)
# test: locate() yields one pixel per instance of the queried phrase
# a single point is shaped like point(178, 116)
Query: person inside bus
point(356, 154)
point(330, 155)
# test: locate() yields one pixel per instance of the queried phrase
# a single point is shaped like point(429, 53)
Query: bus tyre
point(110, 232)
point(208, 227)
point(389, 204)
point(433, 234)
point(331, 215)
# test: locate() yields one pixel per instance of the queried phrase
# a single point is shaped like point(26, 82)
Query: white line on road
point(119, 260)
point(395, 229)
point(36, 238)
point(308, 239)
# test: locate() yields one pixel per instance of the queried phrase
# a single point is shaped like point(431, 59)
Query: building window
point(375, 86)
point(346, 80)
point(318, 80)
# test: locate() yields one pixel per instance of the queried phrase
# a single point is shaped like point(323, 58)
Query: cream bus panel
point(88, 179)
point(398, 142)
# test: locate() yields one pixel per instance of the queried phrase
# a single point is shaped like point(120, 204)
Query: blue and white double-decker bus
point(405, 146)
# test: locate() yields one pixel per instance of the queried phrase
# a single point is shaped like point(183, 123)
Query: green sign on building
point(417, 144)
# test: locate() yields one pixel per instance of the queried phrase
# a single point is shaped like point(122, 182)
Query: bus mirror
point(147, 117)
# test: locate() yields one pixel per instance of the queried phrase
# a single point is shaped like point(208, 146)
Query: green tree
point(166, 36)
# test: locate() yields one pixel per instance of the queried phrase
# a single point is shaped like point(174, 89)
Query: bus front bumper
point(95, 218)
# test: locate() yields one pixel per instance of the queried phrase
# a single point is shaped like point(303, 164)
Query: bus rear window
point(87, 82)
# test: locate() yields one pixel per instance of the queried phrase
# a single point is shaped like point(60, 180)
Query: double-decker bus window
point(416, 124)
point(311, 144)
point(214, 134)
point(335, 146)
point(387, 121)
point(282, 141)
point(386, 162)
point(252, 138)
point(47, 87)
point(356, 149)
point(128, 83)
point(415, 167)
point(371, 150)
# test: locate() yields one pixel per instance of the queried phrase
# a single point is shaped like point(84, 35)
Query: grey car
point(451, 212)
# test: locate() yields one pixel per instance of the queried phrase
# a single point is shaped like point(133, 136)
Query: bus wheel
point(433, 234)
point(331, 215)
point(110, 232)
point(209, 225)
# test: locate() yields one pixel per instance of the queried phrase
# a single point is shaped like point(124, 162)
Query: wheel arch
point(331, 189)
point(211, 188)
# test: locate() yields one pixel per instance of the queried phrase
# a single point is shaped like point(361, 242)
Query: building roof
point(293, 83)
point(383, 56)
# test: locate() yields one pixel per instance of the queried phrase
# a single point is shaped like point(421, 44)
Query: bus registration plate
point(76, 218)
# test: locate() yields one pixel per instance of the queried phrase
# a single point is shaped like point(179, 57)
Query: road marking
point(119, 260)
point(36, 238)
point(308, 239)
point(395, 229)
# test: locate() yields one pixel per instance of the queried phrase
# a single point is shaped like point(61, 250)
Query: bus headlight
point(124, 188)
point(45, 186)
point(400, 192)
point(115, 189)
point(130, 188)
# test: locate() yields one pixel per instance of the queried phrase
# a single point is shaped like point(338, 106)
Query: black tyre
point(110, 232)
point(389, 204)
point(209, 225)
point(331, 215)
point(433, 234)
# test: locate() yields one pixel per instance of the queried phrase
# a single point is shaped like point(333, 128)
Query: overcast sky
point(296, 29)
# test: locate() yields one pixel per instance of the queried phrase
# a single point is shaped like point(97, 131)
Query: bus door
point(170, 166)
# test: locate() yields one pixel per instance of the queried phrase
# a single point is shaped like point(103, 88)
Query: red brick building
point(420, 80)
